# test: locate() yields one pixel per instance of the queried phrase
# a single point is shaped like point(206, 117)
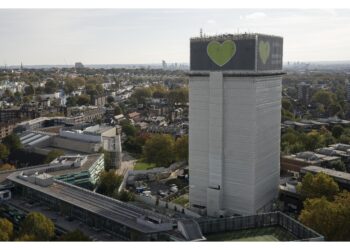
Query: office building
point(234, 128)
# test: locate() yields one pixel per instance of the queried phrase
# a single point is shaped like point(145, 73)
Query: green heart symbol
point(220, 54)
point(264, 51)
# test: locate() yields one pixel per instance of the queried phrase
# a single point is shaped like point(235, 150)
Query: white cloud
point(211, 21)
point(255, 15)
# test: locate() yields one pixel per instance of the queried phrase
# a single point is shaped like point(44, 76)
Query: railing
point(301, 232)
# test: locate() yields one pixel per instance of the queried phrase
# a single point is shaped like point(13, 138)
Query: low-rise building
point(343, 179)
point(295, 162)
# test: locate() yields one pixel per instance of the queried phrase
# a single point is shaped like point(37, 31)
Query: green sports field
point(256, 234)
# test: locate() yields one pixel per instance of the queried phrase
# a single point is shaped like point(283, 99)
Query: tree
point(324, 97)
point(71, 101)
point(287, 104)
point(4, 152)
point(12, 142)
point(83, 100)
point(329, 218)
point(337, 165)
point(108, 183)
point(53, 154)
point(75, 235)
point(320, 214)
point(110, 99)
point(159, 149)
point(178, 95)
point(51, 86)
point(37, 225)
point(29, 90)
point(117, 110)
point(27, 237)
point(181, 148)
point(6, 229)
point(7, 166)
point(128, 129)
point(141, 94)
point(126, 196)
point(337, 131)
point(316, 186)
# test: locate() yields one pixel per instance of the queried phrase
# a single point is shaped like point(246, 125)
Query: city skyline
point(129, 36)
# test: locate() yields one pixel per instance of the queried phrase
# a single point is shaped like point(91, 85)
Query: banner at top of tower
point(244, 52)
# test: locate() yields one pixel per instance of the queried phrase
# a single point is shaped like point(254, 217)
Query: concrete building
point(295, 162)
point(74, 140)
point(303, 92)
point(234, 123)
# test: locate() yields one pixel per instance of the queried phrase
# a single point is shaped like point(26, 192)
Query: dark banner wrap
point(225, 54)
point(270, 53)
point(234, 53)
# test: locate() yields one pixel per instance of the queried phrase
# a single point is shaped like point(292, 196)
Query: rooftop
point(242, 36)
point(112, 209)
point(333, 173)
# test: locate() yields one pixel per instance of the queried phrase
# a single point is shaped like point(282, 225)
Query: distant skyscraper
point(164, 64)
point(303, 92)
point(235, 115)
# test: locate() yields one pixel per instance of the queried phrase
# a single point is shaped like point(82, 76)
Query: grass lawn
point(181, 200)
point(255, 234)
point(143, 165)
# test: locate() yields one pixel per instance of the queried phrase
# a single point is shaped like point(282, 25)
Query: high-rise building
point(164, 64)
point(303, 92)
point(235, 115)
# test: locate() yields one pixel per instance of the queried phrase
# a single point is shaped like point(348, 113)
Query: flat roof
point(330, 172)
point(241, 36)
point(98, 204)
point(91, 159)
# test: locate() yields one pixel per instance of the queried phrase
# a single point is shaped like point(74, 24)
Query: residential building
point(234, 123)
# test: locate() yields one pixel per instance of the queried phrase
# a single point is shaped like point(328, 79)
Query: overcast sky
point(37, 37)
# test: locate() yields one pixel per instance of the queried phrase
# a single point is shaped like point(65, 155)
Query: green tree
point(75, 235)
point(6, 229)
point(178, 95)
point(4, 152)
point(287, 104)
point(329, 218)
point(110, 99)
point(141, 94)
point(37, 225)
point(27, 237)
point(51, 86)
point(324, 97)
point(126, 196)
point(71, 101)
point(53, 154)
point(83, 100)
point(117, 110)
point(337, 165)
point(108, 183)
point(29, 90)
point(160, 149)
point(128, 129)
point(337, 131)
point(12, 142)
point(316, 186)
point(320, 215)
point(181, 148)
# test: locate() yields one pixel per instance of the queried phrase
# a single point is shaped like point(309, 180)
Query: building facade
point(234, 128)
